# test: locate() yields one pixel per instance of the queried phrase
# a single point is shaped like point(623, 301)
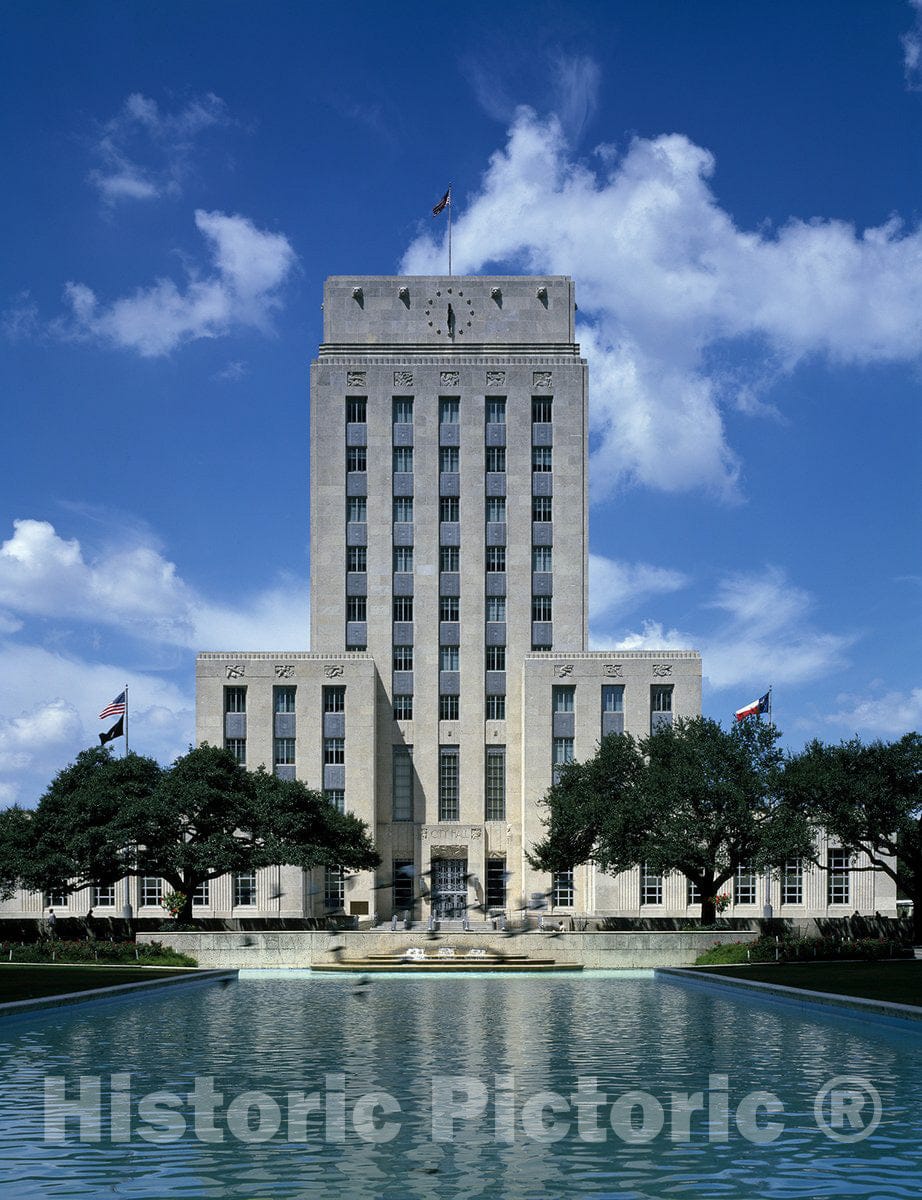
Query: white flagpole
point(449, 228)
point(126, 720)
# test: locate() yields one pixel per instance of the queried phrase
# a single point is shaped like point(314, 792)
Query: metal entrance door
point(449, 887)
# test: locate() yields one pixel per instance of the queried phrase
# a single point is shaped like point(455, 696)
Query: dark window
point(356, 558)
point(496, 558)
point(235, 699)
point(356, 407)
point(496, 458)
point(334, 699)
point(284, 699)
point(541, 608)
point(403, 608)
point(356, 458)
point(403, 708)
point(496, 708)
point(541, 409)
point(448, 608)
point(496, 658)
point(449, 558)
point(449, 509)
point(356, 607)
point(541, 508)
point(496, 883)
point(449, 708)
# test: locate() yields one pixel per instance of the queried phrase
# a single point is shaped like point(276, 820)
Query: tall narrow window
point(356, 558)
point(661, 698)
point(334, 889)
point(449, 460)
point(496, 510)
point(449, 801)
point(449, 558)
point(448, 658)
point(563, 699)
point(562, 890)
point(541, 558)
point(541, 608)
point(356, 458)
point(237, 747)
point(744, 885)
point(562, 750)
point(496, 459)
point(651, 886)
point(403, 410)
point(837, 878)
point(403, 783)
point(235, 699)
point(541, 458)
point(284, 699)
point(356, 509)
point(403, 658)
point(449, 508)
point(496, 658)
point(403, 509)
point(495, 783)
point(496, 883)
point(496, 608)
point(449, 608)
point(403, 608)
point(541, 409)
point(403, 707)
point(244, 889)
point(336, 797)
point(496, 410)
point(449, 706)
point(356, 608)
point(541, 508)
point(403, 559)
point(612, 697)
point(151, 890)
point(334, 751)
point(792, 882)
point(403, 884)
point(201, 897)
point(449, 410)
point(496, 708)
point(334, 699)
point(403, 460)
point(496, 558)
point(356, 407)
point(284, 752)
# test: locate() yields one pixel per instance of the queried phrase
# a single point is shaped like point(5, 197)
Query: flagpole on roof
point(449, 229)
point(126, 720)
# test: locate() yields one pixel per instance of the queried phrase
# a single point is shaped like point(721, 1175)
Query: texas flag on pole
point(758, 706)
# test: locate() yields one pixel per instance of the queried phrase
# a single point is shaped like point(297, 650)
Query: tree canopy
point(692, 797)
point(103, 818)
point(869, 798)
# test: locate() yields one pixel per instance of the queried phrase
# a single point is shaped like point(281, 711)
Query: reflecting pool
point(609, 1084)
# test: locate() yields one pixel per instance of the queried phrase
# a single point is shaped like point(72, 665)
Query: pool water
point(481, 1086)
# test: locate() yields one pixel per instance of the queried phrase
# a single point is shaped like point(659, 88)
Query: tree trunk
point(708, 911)
point(917, 919)
point(185, 913)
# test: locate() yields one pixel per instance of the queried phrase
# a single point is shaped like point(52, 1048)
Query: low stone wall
point(592, 950)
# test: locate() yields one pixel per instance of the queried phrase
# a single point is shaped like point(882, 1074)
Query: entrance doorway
point(449, 887)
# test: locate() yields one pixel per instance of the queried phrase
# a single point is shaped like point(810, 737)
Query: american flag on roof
point(444, 203)
point(115, 709)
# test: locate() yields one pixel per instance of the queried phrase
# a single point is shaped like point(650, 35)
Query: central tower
point(449, 540)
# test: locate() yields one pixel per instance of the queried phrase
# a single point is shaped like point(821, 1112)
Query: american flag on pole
point(115, 709)
point(443, 203)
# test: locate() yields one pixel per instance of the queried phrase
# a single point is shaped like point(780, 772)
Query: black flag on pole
point(116, 731)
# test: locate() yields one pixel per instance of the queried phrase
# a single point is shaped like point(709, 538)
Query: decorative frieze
point(333, 670)
point(235, 670)
point(403, 379)
point(541, 380)
point(562, 670)
point(284, 671)
point(496, 379)
point(356, 379)
point(613, 670)
point(660, 670)
point(449, 379)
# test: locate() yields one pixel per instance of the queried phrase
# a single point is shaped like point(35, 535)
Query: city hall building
point(449, 676)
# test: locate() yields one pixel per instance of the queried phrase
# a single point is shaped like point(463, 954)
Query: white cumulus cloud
point(144, 152)
point(249, 267)
point(616, 587)
point(666, 277)
point(879, 714)
point(134, 588)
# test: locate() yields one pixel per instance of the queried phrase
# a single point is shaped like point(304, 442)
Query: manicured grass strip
point(29, 981)
point(897, 982)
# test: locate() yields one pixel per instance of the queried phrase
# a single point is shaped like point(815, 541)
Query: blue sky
point(734, 187)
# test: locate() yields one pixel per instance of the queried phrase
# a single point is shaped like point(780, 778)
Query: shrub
point(795, 948)
point(127, 953)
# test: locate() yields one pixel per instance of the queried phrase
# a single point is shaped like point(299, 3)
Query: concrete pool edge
point(856, 1006)
point(13, 1008)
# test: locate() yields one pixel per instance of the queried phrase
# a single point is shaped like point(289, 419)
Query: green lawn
point(899, 982)
point(26, 981)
